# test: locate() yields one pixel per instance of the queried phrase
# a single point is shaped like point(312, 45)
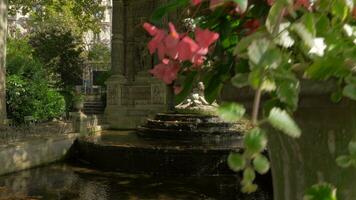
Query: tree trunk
point(3, 33)
point(297, 164)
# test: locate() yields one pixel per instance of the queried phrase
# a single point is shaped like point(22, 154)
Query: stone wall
point(34, 152)
point(3, 28)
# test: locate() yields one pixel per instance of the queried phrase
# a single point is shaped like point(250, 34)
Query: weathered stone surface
point(3, 31)
point(35, 152)
point(132, 94)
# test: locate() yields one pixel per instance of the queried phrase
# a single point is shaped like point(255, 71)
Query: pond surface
point(66, 182)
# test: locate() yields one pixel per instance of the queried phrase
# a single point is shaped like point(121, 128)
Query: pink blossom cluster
point(174, 48)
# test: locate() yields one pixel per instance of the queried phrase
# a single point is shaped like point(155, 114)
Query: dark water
point(62, 182)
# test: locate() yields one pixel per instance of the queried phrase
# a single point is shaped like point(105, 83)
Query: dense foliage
point(81, 15)
point(61, 51)
point(99, 52)
point(271, 46)
point(27, 88)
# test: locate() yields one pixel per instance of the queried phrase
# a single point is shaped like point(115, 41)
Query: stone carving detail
point(141, 95)
point(113, 94)
point(158, 94)
point(196, 101)
point(135, 95)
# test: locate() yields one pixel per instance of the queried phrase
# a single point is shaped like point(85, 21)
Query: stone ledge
point(34, 152)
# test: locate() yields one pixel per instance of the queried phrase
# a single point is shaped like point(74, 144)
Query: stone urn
point(327, 129)
point(78, 102)
point(79, 105)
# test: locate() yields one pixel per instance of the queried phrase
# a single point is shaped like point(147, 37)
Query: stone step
point(209, 136)
point(193, 118)
point(133, 154)
point(189, 126)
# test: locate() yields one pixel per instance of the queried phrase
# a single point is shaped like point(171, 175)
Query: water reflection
point(64, 182)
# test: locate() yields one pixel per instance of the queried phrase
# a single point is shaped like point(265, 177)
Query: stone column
point(3, 33)
point(133, 94)
point(118, 38)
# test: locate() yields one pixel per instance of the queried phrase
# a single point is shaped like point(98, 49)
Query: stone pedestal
point(79, 123)
point(129, 104)
point(3, 32)
point(132, 94)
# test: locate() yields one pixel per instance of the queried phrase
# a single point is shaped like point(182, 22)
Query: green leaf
point(231, 111)
point(336, 96)
point(309, 23)
point(249, 188)
point(255, 78)
point(321, 192)
point(273, 18)
point(288, 88)
point(242, 4)
point(340, 9)
point(281, 120)
point(257, 50)
point(240, 80)
point(325, 68)
point(236, 162)
point(213, 88)
point(344, 161)
point(350, 91)
point(173, 5)
point(255, 141)
point(304, 34)
point(249, 175)
point(245, 42)
point(261, 164)
point(352, 148)
point(350, 80)
point(322, 25)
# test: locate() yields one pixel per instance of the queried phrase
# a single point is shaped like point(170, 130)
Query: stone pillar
point(132, 94)
point(3, 33)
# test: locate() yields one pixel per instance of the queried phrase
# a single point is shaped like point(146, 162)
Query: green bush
point(99, 52)
point(29, 92)
point(61, 51)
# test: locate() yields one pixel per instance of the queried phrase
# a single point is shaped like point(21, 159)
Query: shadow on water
point(62, 182)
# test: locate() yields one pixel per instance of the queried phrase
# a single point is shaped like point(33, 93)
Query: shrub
point(99, 52)
point(28, 90)
point(61, 51)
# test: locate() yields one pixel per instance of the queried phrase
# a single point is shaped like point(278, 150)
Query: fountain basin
point(126, 151)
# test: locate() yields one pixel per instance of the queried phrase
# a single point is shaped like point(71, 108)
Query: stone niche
point(133, 94)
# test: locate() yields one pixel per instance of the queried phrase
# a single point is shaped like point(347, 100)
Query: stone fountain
point(190, 141)
point(185, 143)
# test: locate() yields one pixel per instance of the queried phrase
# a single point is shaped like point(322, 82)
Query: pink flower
point(158, 36)
point(152, 30)
point(205, 38)
point(196, 2)
point(177, 89)
point(270, 2)
point(174, 48)
point(171, 42)
point(187, 49)
point(304, 3)
point(198, 60)
point(156, 42)
point(166, 71)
